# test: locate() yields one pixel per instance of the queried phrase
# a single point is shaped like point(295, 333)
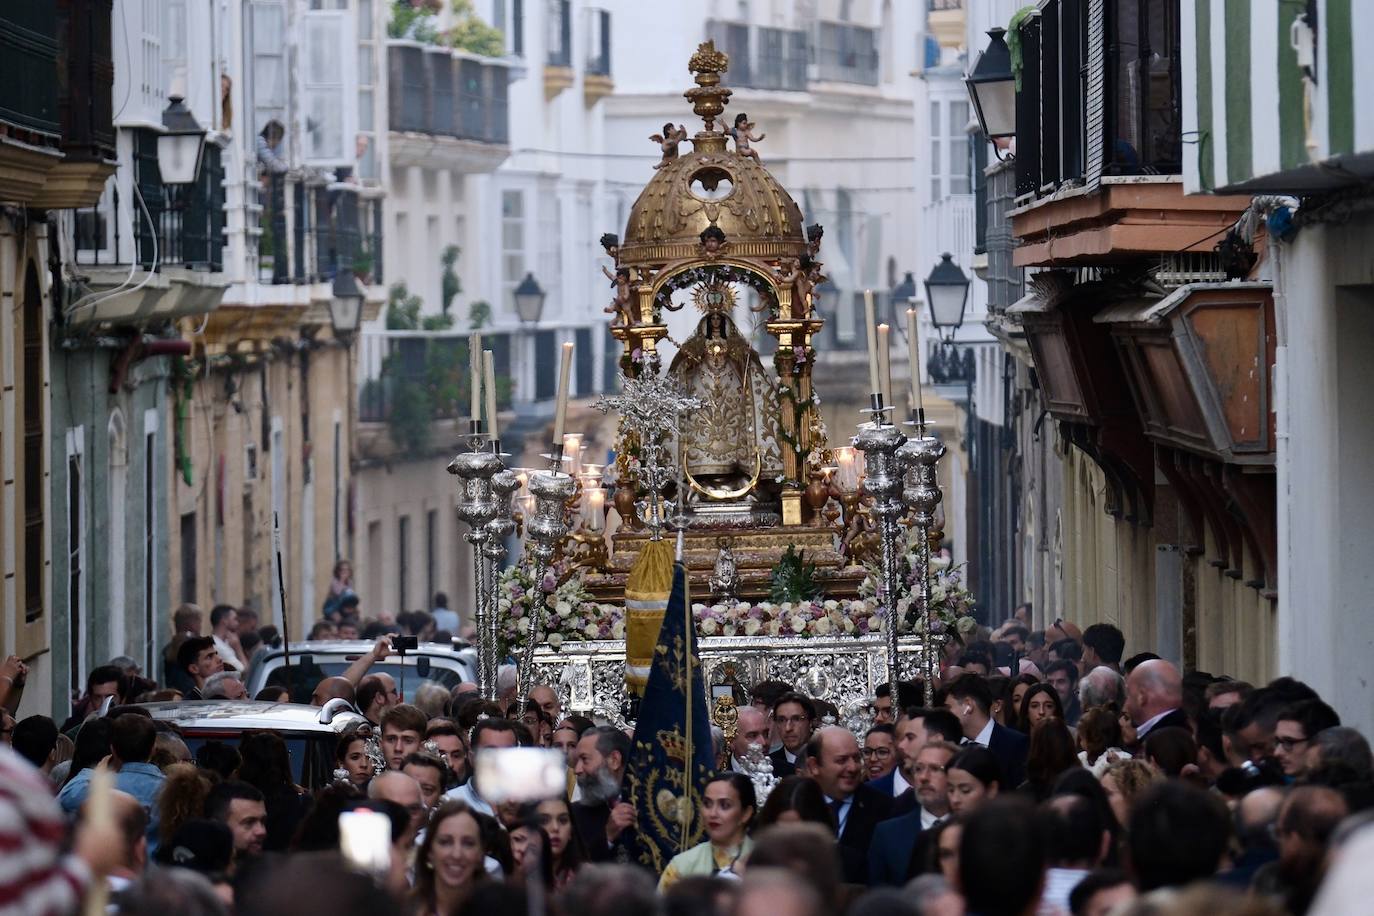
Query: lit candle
point(869, 322)
point(913, 347)
point(475, 364)
point(572, 453)
point(489, 379)
point(844, 458)
point(884, 365)
point(596, 508)
point(564, 374)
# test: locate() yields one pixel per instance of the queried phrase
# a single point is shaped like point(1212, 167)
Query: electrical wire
point(133, 265)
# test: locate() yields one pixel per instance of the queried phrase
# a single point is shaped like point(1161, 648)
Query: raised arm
point(358, 670)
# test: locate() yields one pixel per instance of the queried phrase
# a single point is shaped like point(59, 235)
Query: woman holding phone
point(450, 861)
point(728, 807)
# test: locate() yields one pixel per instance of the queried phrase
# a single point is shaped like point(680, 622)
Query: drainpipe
point(137, 349)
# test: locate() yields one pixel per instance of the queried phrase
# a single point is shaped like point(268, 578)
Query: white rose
point(848, 625)
point(798, 623)
point(786, 606)
point(523, 625)
point(503, 604)
point(821, 627)
point(831, 604)
point(555, 640)
point(752, 626)
point(730, 630)
point(774, 627)
point(618, 629)
point(591, 630)
point(562, 609)
point(708, 627)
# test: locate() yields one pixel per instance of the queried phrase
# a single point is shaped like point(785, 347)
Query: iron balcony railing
point(433, 91)
point(760, 57)
point(403, 373)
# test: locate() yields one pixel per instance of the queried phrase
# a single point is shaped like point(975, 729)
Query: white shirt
point(899, 783)
point(929, 820)
point(985, 736)
point(1059, 883)
point(1144, 727)
point(841, 816)
point(231, 661)
point(468, 795)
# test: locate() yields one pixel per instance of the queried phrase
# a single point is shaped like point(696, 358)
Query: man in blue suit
point(889, 854)
point(970, 699)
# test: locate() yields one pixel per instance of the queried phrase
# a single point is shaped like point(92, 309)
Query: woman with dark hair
point(728, 808)
point(1051, 753)
point(1016, 692)
point(92, 746)
point(531, 851)
point(1099, 739)
point(449, 863)
point(1039, 703)
point(1001, 712)
point(937, 850)
point(793, 800)
point(267, 767)
point(350, 754)
point(973, 776)
point(566, 854)
point(1171, 749)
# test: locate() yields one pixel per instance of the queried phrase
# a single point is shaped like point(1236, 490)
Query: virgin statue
point(731, 443)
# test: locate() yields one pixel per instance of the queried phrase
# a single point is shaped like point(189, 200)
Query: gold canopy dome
point(711, 186)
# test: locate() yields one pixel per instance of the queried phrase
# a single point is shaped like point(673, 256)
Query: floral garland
point(570, 613)
point(950, 601)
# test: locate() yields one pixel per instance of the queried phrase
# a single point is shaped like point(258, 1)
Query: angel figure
point(611, 242)
point(743, 134)
point(814, 278)
point(668, 141)
point(790, 273)
point(620, 305)
point(814, 233)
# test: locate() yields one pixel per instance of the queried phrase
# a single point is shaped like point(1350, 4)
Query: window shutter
point(154, 93)
point(1094, 94)
point(269, 63)
point(329, 90)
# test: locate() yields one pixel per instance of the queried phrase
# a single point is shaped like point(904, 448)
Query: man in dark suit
point(834, 760)
point(889, 853)
point(604, 823)
point(1154, 697)
point(970, 699)
point(795, 717)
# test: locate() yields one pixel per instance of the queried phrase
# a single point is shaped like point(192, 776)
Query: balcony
point(84, 104)
point(448, 109)
point(310, 231)
point(173, 232)
point(413, 389)
point(30, 122)
point(596, 77)
point(558, 55)
point(761, 58)
point(846, 53)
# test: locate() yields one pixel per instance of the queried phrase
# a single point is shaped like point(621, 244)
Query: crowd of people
point(1045, 773)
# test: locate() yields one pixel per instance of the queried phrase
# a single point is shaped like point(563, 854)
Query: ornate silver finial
point(724, 580)
point(759, 769)
point(650, 407)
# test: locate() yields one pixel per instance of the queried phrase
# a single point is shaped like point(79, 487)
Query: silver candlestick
point(504, 485)
point(919, 456)
point(879, 440)
point(477, 506)
point(546, 526)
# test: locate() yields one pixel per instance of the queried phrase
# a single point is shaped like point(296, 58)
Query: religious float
point(796, 546)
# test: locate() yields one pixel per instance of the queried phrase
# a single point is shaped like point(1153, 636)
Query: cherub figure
point(620, 305)
point(789, 273)
point(668, 141)
point(611, 242)
point(813, 278)
point(814, 232)
point(743, 134)
point(712, 240)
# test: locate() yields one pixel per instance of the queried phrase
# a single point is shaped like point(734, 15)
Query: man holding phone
point(489, 734)
point(605, 823)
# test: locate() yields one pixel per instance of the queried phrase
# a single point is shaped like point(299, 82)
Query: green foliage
point(402, 309)
point(415, 22)
point(450, 285)
point(793, 579)
point(436, 322)
point(479, 314)
point(471, 33)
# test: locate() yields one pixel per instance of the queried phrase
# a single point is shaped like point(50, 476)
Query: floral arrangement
point(950, 601)
point(570, 613)
point(806, 619)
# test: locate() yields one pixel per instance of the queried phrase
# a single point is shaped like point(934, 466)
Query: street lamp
point(902, 294)
point(529, 300)
point(992, 88)
point(180, 144)
point(346, 306)
point(947, 292)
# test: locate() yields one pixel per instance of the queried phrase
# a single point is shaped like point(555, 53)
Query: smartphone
point(521, 774)
point(365, 840)
point(405, 643)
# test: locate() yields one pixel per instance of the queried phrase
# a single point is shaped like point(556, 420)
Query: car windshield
point(303, 678)
point(309, 754)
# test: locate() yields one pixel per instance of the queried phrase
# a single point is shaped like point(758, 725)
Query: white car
point(439, 663)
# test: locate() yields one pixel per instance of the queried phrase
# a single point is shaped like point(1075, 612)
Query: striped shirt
point(35, 878)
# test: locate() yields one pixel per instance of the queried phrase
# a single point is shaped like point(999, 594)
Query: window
point(551, 244)
point(367, 80)
point(150, 43)
point(431, 553)
point(598, 42)
point(949, 165)
point(35, 489)
point(847, 53)
point(513, 243)
point(174, 45)
point(328, 90)
point(1143, 112)
point(403, 561)
point(558, 38)
point(189, 587)
point(267, 54)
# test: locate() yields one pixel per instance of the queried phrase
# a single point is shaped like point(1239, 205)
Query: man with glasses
point(1297, 725)
point(889, 855)
point(794, 716)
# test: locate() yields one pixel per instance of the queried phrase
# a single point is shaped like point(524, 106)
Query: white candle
point(884, 365)
point(913, 347)
point(489, 379)
point(572, 453)
point(869, 322)
point(475, 364)
point(564, 375)
point(596, 508)
point(844, 458)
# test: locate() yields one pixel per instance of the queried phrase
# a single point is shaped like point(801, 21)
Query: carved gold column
point(793, 362)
